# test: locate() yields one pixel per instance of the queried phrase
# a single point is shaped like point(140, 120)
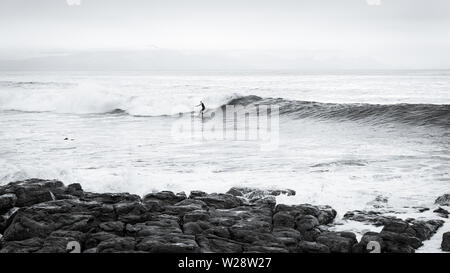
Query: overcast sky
point(379, 33)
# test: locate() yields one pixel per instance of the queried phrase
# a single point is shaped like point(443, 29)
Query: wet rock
point(306, 222)
point(425, 229)
point(169, 243)
point(338, 242)
point(7, 202)
point(117, 244)
point(312, 247)
point(5, 219)
point(92, 240)
point(220, 200)
point(247, 220)
point(194, 194)
point(265, 249)
point(185, 206)
point(324, 214)
point(110, 198)
point(115, 227)
point(283, 219)
point(24, 246)
point(289, 237)
point(159, 200)
point(441, 212)
point(215, 244)
point(443, 200)
point(33, 191)
point(253, 193)
point(445, 245)
point(373, 217)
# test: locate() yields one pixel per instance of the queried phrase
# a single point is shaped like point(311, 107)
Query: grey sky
point(395, 34)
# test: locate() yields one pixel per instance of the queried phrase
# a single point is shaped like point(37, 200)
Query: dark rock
point(110, 198)
point(443, 200)
point(117, 244)
point(6, 218)
point(265, 249)
point(288, 237)
point(220, 200)
point(194, 194)
point(159, 200)
point(7, 202)
point(441, 212)
point(214, 244)
point(24, 246)
point(283, 219)
point(33, 191)
point(253, 193)
point(306, 222)
point(169, 243)
point(338, 242)
point(372, 217)
point(92, 240)
point(397, 242)
point(312, 247)
point(75, 190)
point(115, 227)
point(425, 229)
point(445, 245)
point(185, 206)
point(244, 220)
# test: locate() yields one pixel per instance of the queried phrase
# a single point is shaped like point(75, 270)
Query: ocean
point(345, 138)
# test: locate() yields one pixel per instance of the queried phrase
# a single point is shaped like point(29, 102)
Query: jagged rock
point(24, 246)
point(253, 193)
point(445, 245)
point(220, 200)
point(443, 200)
point(283, 219)
point(169, 243)
point(158, 201)
point(5, 219)
point(92, 240)
point(115, 227)
point(289, 237)
point(110, 198)
point(338, 242)
point(7, 202)
point(117, 244)
point(265, 249)
point(324, 214)
point(185, 206)
point(425, 229)
point(373, 217)
point(214, 244)
point(312, 247)
point(194, 194)
point(442, 212)
point(34, 191)
point(306, 222)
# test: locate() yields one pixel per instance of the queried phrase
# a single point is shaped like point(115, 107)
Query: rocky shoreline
point(47, 216)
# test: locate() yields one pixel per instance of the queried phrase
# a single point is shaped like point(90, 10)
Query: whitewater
point(345, 138)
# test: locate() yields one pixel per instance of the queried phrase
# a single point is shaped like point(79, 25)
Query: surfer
point(203, 107)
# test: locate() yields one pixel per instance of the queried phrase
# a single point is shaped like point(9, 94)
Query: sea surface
point(344, 138)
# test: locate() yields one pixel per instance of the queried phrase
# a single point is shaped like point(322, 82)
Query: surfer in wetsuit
point(203, 107)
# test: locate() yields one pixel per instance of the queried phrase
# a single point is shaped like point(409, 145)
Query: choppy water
point(344, 138)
